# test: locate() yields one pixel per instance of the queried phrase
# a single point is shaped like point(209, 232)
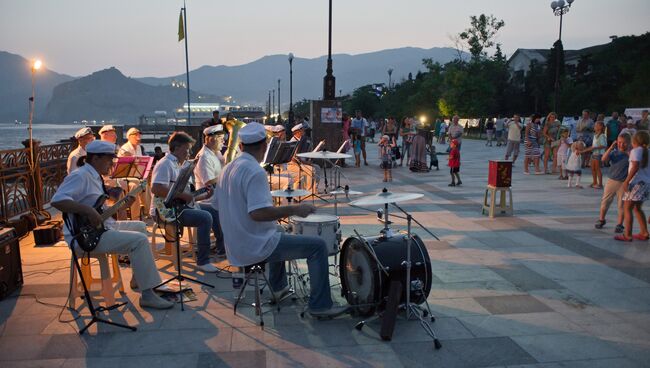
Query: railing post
point(35, 184)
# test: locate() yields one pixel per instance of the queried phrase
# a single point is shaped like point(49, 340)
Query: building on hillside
point(519, 62)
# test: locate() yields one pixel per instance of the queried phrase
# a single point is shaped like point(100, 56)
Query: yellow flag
point(181, 29)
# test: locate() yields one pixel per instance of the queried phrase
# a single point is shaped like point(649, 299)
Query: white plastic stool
point(489, 202)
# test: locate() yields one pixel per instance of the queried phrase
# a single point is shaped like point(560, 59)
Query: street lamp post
point(390, 73)
point(329, 82)
point(35, 66)
point(290, 89)
point(273, 103)
point(279, 109)
point(560, 7)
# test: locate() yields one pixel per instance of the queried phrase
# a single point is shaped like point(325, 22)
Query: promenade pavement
point(542, 288)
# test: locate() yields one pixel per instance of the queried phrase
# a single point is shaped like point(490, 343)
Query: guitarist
point(78, 194)
point(162, 178)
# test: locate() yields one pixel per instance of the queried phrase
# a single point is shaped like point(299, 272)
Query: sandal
point(640, 237)
point(600, 224)
point(622, 238)
point(619, 228)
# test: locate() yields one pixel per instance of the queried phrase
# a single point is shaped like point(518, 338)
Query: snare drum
point(326, 227)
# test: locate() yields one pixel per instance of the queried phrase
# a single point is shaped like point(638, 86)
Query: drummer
point(248, 219)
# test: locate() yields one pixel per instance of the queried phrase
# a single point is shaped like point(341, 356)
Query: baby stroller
point(395, 155)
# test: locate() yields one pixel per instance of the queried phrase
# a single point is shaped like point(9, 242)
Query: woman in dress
point(531, 144)
point(551, 142)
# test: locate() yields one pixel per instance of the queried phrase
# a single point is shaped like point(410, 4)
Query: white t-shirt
point(514, 131)
point(574, 163)
point(71, 165)
point(208, 167)
point(165, 172)
point(243, 188)
point(643, 174)
point(128, 149)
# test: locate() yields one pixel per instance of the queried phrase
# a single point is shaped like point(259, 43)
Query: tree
point(480, 35)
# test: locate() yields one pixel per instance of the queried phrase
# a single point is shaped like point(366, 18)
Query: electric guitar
point(169, 214)
point(88, 236)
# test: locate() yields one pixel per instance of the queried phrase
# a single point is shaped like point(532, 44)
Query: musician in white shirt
point(133, 147)
point(164, 174)
point(78, 194)
point(209, 164)
point(300, 170)
point(83, 136)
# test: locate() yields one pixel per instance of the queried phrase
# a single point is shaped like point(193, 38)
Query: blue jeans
point(301, 246)
point(216, 227)
point(202, 220)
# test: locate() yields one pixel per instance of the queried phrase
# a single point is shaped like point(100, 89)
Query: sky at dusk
point(139, 37)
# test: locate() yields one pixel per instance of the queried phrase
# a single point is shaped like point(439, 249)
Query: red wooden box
point(500, 173)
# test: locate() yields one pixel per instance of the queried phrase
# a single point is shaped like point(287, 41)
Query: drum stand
point(412, 310)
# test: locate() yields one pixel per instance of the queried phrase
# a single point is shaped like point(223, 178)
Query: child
point(597, 149)
point(356, 143)
point(637, 188)
point(385, 151)
point(454, 163)
point(433, 157)
point(574, 163)
point(563, 152)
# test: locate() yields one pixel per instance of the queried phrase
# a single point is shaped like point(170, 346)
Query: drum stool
point(253, 272)
point(489, 201)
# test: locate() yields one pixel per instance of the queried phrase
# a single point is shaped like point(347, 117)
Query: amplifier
point(48, 233)
point(11, 273)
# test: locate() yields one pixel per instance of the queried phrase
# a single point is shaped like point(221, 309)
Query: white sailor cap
point(82, 132)
point(106, 128)
point(277, 128)
point(101, 147)
point(133, 131)
point(296, 127)
point(215, 129)
point(252, 133)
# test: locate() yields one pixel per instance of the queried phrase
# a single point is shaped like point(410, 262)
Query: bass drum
point(365, 285)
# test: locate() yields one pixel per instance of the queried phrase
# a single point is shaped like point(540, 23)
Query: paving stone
point(524, 278)
point(519, 324)
point(512, 304)
point(239, 359)
point(566, 347)
point(478, 352)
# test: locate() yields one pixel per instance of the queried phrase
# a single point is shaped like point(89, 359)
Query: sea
point(11, 134)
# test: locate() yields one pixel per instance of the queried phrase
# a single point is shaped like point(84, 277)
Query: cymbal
point(326, 155)
point(386, 197)
point(289, 193)
point(343, 192)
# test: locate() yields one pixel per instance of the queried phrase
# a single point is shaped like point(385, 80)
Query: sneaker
point(452, 185)
point(459, 183)
point(278, 296)
point(600, 224)
point(155, 303)
point(208, 268)
point(526, 173)
point(619, 229)
point(332, 312)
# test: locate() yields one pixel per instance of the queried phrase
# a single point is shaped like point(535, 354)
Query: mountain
point(251, 83)
point(16, 88)
point(109, 95)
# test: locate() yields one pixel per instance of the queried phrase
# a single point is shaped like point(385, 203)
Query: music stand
point(175, 204)
point(279, 153)
point(132, 167)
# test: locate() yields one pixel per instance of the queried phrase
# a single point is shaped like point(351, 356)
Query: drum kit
point(382, 274)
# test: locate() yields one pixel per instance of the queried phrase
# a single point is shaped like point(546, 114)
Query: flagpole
point(187, 64)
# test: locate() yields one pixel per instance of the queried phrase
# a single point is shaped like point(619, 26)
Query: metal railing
point(25, 187)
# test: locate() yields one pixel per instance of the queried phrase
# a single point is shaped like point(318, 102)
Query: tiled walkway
point(540, 289)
